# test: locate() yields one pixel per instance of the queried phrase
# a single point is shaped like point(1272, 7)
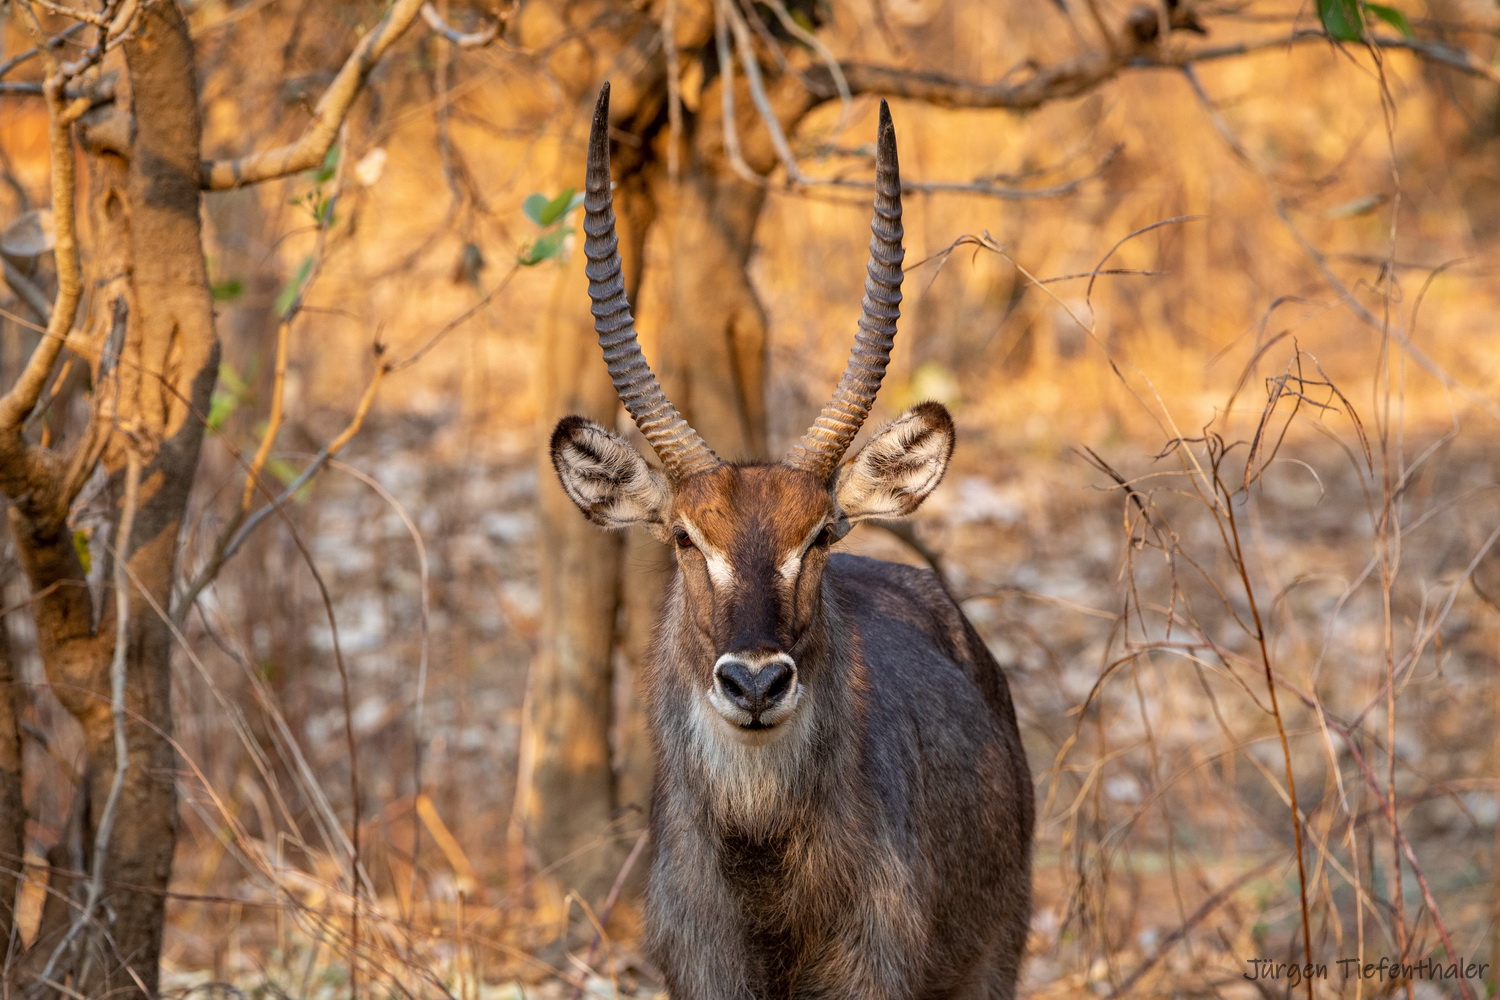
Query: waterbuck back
point(842, 806)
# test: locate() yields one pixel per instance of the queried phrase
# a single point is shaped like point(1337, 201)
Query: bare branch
point(812, 41)
point(29, 54)
point(117, 665)
point(1320, 261)
point(726, 96)
point(758, 91)
point(986, 186)
point(1453, 56)
point(328, 115)
point(1079, 75)
point(273, 422)
point(451, 35)
point(22, 397)
point(28, 292)
point(229, 544)
point(83, 16)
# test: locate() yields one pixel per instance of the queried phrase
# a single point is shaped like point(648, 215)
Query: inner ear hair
point(899, 467)
point(606, 478)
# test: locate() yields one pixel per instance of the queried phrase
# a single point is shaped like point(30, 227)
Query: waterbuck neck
point(757, 786)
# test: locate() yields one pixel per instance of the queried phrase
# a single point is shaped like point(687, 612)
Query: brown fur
point(876, 844)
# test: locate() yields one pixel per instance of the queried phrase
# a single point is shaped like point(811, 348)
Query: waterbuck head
point(752, 540)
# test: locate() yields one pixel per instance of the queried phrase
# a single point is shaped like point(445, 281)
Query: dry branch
point(17, 404)
point(1074, 77)
point(328, 115)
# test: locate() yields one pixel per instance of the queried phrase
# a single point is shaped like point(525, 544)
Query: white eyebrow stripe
point(720, 572)
point(791, 566)
point(791, 563)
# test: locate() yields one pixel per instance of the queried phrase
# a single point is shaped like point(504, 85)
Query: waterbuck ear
point(899, 467)
point(607, 478)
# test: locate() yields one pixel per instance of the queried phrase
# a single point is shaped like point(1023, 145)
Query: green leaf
point(293, 289)
point(556, 208)
point(232, 380)
point(470, 263)
point(81, 546)
point(544, 248)
point(228, 290)
point(330, 165)
point(1342, 19)
point(288, 473)
point(1391, 16)
point(220, 408)
point(533, 206)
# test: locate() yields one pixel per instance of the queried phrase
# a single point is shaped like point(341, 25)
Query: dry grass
point(1220, 527)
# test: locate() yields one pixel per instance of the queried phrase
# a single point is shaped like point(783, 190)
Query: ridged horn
point(825, 442)
point(680, 448)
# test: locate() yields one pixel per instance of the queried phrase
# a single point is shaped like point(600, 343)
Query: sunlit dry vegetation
point(1217, 338)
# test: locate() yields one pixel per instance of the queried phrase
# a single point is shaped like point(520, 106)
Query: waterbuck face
point(752, 542)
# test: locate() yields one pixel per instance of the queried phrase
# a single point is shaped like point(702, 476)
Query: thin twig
point(27, 291)
point(757, 90)
point(26, 55)
point(276, 503)
point(726, 97)
point(451, 35)
point(609, 905)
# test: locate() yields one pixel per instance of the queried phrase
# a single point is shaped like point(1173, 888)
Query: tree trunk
point(713, 346)
point(711, 358)
point(12, 809)
point(565, 798)
point(154, 357)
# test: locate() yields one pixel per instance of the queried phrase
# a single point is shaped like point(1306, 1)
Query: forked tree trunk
point(150, 342)
point(713, 344)
point(565, 796)
point(579, 791)
point(711, 356)
point(12, 809)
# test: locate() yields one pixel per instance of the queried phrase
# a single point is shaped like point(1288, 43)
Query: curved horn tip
point(885, 138)
point(599, 130)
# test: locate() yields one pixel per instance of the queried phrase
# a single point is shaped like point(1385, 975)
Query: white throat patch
point(749, 773)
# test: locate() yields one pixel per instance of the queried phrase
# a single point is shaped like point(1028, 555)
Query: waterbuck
point(842, 804)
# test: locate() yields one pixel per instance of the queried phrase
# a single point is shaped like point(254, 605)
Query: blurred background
point(1209, 292)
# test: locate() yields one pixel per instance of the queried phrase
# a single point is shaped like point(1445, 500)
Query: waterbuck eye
point(682, 538)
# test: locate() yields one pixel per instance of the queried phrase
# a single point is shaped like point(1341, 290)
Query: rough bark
point(566, 791)
point(575, 788)
point(711, 358)
point(12, 809)
point(153, 353)
point(713, 346)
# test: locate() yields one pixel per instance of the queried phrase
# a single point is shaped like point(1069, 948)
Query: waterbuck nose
point(751, 690)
